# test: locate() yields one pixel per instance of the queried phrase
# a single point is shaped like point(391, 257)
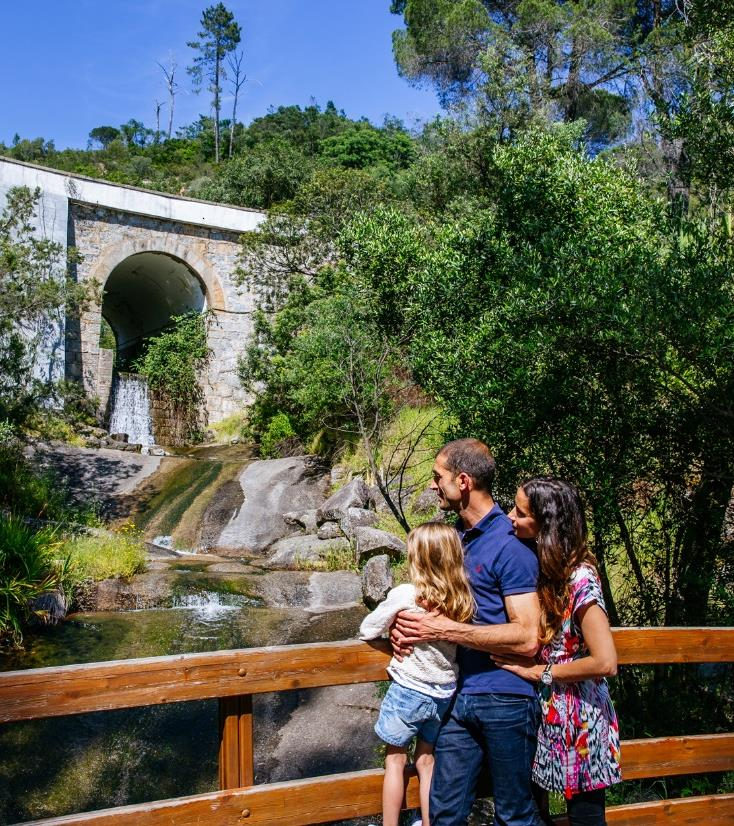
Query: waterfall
point(131, 409)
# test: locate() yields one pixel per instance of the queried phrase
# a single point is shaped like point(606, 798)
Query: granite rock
point(377, 580)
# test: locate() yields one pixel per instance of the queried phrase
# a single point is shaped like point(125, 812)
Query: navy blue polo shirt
point(498, 564)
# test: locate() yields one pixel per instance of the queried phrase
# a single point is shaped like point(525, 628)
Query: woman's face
point(523, 521)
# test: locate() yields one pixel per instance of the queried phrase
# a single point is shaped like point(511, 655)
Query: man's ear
point(464, 481)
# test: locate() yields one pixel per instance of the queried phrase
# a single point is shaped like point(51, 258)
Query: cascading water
point(131, 409)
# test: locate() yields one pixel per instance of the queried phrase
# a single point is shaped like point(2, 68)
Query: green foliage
point(96, 557)
point(29, 491)
point(29, 565)
point(172, 362)
point(265, 175)
point(37, 291)
point(364, 147)
point(278, 431)
point(591, 343)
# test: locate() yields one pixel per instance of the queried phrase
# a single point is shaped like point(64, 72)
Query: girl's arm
point(377, 623)
point(601, 662)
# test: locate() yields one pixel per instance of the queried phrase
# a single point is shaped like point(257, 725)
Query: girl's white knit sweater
point(431, 668)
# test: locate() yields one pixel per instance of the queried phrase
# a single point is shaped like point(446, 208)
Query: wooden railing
point(234, 676)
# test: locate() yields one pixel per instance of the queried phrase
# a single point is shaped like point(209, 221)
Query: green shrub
point(234, 425)
point(119, 554)
point(30, 563)
point(333, 559)
point(279, 430)
point(172, 363)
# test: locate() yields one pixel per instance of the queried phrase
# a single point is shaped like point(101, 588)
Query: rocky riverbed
point(228, 539)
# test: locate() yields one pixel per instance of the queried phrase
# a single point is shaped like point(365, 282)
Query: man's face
point(447, 486)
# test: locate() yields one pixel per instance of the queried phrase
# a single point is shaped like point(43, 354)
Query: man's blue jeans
point(501, 730)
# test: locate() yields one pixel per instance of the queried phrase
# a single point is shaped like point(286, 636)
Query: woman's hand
point(524, 667)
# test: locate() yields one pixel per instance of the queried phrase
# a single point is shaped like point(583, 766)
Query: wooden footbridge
point(234, 676)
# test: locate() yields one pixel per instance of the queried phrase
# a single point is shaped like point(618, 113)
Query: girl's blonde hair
point(436, 568)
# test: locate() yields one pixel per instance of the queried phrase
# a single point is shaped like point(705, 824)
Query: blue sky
point(71, 65)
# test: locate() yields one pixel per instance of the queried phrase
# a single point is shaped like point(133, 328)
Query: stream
point(90, 761)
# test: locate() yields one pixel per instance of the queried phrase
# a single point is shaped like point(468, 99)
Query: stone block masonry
point(154, 255)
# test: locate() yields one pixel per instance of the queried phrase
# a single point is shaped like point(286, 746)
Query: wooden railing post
point(236, 756)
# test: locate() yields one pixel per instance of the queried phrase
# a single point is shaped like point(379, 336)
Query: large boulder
point(305, 520)
point(377, 580)
point(332, 590)
point(355, 494)
point(330, 530)
point(49, 608)
point(372, 542)
point(426, 502)
point(271, 488)
point(357, 518)
point(292, 550)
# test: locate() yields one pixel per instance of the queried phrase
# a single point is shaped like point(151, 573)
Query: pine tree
point(220, 33)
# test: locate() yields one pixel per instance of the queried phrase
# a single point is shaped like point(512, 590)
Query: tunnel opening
point(141, 296)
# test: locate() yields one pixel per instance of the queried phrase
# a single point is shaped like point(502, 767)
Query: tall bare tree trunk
point(235, 65)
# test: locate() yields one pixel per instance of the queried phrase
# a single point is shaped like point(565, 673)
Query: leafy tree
point(37, 149)
point(305, 128)
point(364, 147)
point(37, 292)
point(104, 135)
point(518, 61)
point(268, 174)
point(135, 133)
point(591, 342)
point(219, 35)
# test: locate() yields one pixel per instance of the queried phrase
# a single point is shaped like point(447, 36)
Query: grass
point(231, 427)
point(402, 432)
point(118, 554)
point(30, 564)
point(333, 559)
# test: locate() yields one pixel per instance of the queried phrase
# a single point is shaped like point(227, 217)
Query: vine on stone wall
point(172, 362)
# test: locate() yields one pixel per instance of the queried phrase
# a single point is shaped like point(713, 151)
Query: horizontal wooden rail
point(666, 756)
point(233, 676)
point(655, 646)
point(344, 796)
point(74, 689)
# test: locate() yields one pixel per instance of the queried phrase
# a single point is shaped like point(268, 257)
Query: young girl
point(578, 740)
point(423, 683)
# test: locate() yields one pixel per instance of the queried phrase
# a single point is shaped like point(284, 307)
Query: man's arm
point(518, 636)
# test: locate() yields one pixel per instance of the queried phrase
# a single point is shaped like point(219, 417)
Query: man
point(495, 712)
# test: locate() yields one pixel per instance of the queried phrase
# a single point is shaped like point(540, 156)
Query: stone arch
point(143, 292)
point(95, 364)
point(189, 251)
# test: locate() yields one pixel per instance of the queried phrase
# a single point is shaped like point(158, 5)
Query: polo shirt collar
point(483, 523)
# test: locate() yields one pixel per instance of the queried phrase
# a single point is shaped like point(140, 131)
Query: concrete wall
point(52, 224)
point(108, 223)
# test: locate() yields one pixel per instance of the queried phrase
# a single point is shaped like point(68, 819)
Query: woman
point(578, 741)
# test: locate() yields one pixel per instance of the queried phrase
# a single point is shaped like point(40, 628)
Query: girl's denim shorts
point(406, 713)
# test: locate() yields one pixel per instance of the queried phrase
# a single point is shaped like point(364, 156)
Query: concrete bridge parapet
point(155, 255)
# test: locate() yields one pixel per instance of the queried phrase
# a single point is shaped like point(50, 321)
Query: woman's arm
point(601, 662)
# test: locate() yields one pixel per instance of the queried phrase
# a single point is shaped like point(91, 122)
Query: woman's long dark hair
point(559, 513)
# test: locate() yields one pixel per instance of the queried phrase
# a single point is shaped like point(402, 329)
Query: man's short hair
point(472, 457)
